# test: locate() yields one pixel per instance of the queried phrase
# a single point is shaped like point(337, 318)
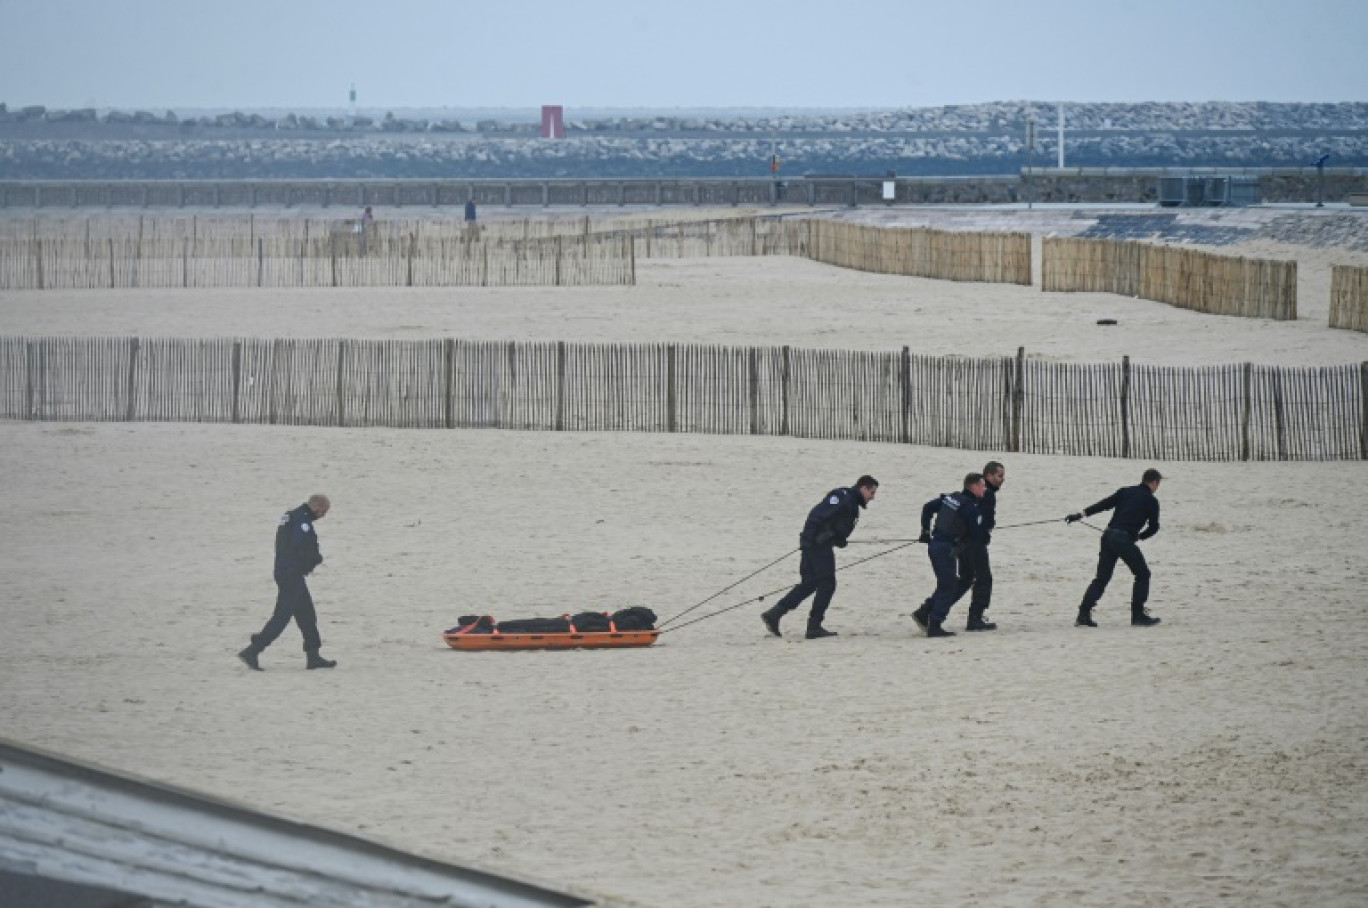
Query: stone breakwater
point(39, 144)
point(1001, 116)
point(623, 157)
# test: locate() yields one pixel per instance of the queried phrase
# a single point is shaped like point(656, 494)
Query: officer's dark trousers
point(292, 601)
point(977, 574)
point(948, 583)
point(981, 578)
point(817, 571)
point(1118, 544)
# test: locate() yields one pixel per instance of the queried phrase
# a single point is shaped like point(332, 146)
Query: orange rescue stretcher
point(477, 636)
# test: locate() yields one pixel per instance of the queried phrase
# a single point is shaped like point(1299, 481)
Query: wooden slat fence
point(1187, 278)
point(1150, 412)
point(282, 252)
point(1003, 258)
point(1349, 298)
point(345, 261)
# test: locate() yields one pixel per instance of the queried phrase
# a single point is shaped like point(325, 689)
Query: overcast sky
point(296, 54)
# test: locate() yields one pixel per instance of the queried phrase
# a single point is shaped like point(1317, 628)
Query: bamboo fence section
point(220, 251)
point(336, 260)
point(1349, 298)
point(253, 227)
point(1003, 258)
point(1149, 412)
point(1187, 278)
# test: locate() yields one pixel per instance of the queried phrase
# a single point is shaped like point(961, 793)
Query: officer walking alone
point(296, 555)
point(958, 529)
point(1135, 516)
point(828, 526)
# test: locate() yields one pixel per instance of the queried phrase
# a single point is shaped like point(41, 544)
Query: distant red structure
point(553, 121)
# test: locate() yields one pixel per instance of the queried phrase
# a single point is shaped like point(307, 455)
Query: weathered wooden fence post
point(31, 358)
point(560, 386)
point(341, 372)
point(276, 347)
point(1125, 406)
point(1247, 407)
point(448, 366)
point(1363, 416)
point(1018, 399)
point(512, 387)
point(1279, 417)
point(905, 395)
point(785, 379)
point(753, 370)
point(671, 396)
point(130, 409)
point(237, 381)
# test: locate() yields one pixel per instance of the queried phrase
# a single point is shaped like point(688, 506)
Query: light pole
point(1320, 180)
point(1030, 160)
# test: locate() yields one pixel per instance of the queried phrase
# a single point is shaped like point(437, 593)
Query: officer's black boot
point(1084, 618)
point(936, 629)
point(771, 619)
point(249, 655)
point(815, 631)
point(1142, 618)
point(923, 615)
point(317, 661)
point(976, 622)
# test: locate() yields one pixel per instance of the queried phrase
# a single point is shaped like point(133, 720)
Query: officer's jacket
point(1136, 511)
point(833, 519)
point(987, 506)
point(957, 518)
point(296, 542)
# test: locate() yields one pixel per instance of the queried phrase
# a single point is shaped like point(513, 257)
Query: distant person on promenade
point(1135, 516)
point(296, 555)
point(365, 227)
point(828, 526)
point(470, 211)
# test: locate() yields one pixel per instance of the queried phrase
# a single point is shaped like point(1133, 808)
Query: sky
point(696, 54)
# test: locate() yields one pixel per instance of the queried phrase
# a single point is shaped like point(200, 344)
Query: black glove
point(924, 538)
point(840, 543)
point(1074, 518)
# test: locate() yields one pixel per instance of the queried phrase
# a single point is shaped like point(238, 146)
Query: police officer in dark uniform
point(296, 555)
point(828, 525)
point(981, 569)
point(1135, 516)
point(958, 528)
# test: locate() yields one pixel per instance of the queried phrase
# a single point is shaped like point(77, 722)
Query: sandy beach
point(1220, 757)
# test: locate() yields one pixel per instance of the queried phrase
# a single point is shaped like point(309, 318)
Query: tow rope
point(899, 544)
point(761, 597)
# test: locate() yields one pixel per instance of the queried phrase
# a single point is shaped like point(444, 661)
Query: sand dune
point(1220, 756)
